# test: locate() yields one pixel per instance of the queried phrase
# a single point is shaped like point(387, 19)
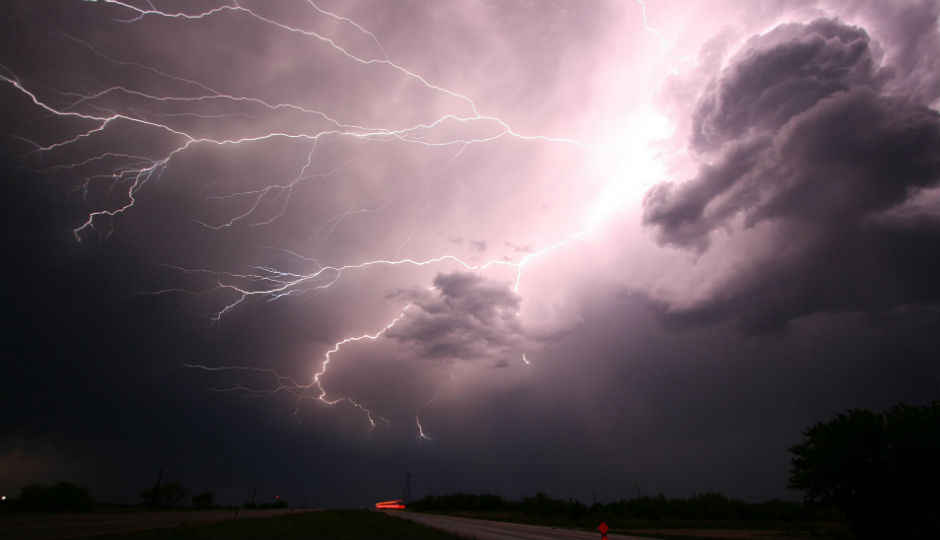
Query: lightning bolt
point(421, 434)
point(137, 171)
point(339, 344)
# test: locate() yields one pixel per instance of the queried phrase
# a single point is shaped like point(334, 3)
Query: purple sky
point(573, 246)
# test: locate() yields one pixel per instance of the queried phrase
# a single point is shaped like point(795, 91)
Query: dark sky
point(593, 249)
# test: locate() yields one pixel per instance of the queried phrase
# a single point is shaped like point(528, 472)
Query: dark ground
point(183, 525)
point(678, 528)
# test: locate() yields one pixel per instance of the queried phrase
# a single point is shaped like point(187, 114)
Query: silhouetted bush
point(463, 501)
point(169, 495)
point(206, 499)
point(880, 469)
point(277, 503)
point(706, 506)
point(61, 497)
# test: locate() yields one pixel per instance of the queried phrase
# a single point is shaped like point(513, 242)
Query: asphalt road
point(482, 529)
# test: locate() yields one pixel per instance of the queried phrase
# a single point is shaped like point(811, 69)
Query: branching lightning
point(137, 171)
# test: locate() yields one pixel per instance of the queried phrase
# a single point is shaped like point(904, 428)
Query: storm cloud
point(781, 74)
point(303, 203)
point(464, 317)
point(807, 140)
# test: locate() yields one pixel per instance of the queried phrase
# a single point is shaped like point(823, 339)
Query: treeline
point(706, 506)
point(175, 495)
point(59, 497)
point(69, 497)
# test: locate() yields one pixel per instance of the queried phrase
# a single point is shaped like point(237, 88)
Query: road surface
point(482, 529)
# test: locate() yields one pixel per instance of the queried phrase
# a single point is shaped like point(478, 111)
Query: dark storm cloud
point(465, 317)
point(782, 74)
point(679, 210)
point(812, 144)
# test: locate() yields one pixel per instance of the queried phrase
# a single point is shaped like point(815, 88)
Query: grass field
point(325, 525)
point(675, 529)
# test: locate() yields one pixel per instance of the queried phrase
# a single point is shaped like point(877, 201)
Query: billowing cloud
point(807, 139)
point(463, 317)
point(781, 74)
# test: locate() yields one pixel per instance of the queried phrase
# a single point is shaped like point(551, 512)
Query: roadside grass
point(323, 525)
point(682, 529)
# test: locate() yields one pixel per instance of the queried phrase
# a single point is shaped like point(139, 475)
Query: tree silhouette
point(167, 495)
point(206, 499)
point(881, 470)
point(60, 497)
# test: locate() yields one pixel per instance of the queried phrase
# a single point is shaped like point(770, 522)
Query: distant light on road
point(396, 504)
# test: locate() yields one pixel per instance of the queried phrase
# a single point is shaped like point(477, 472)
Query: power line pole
point(407, 491)
point(155, 495)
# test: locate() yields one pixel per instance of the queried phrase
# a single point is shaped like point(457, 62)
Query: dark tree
point(61, 497)
point(206, 499)
point(167, 495)
point(881, 470)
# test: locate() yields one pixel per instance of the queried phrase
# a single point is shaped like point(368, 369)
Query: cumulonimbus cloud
point(782, 74)
point(802, 129)
point(464, 316)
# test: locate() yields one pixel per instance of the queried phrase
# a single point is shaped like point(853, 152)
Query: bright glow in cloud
point(627, 159)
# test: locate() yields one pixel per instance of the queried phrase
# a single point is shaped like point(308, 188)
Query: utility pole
point(155, 496)
point(407, 492)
